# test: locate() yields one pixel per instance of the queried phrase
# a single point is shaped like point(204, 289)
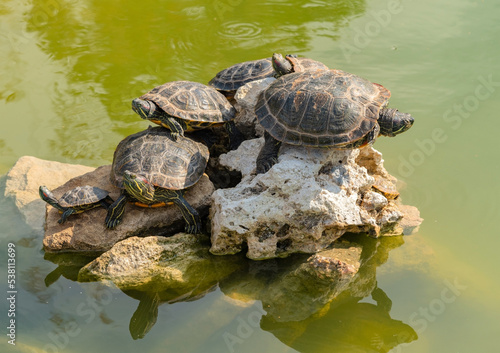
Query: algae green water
point(69, 70)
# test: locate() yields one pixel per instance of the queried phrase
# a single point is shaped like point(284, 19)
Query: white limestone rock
point(307, 200)
point(246, 98)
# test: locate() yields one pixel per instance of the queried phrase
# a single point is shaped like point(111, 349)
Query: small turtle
point(324, 108)
point(80, 199)
point(187, 106)
point(292, 63)
point(153, 169)
point(385, 187)
point(229, 80)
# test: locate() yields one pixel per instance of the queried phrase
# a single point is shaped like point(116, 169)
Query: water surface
point(71, 68)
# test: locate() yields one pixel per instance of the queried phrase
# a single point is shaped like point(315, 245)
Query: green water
point(69, 70)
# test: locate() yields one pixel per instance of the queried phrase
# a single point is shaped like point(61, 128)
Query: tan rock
point(26, 176)
point(180, 263)
point(306, 289)
point(86, 231)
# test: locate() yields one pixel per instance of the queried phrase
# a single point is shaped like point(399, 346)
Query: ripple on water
point(238, 30)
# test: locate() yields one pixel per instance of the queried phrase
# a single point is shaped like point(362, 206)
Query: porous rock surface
point(178, 263)
point(87, 232)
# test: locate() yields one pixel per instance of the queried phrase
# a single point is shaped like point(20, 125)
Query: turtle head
point(392, 122)
point(138, 186)
point(145, 109)
point(281, 65)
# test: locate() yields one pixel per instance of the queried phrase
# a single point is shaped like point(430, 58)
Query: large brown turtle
point(153, 169)
point(324, 108)
point(187, 106)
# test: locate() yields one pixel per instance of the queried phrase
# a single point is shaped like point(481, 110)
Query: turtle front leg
point(268, 155)
point(235, 135)
point(116, 211)
point(176, 126)
point(67, 212)
point(190, 215)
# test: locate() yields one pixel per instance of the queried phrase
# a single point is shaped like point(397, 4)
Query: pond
point(69, 70)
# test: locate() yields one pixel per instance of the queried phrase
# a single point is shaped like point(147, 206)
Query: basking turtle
point(153, 169)
point(327, 108)
point(292, 63)
point(187, 106)
point(229, 80)
point(81, 198)
point(385, 187)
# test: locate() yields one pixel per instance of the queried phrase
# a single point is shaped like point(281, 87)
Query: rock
point(86, 231)
point(26, 176)
point(306, 201)
point(246, 98)
point(181, 264)
point(305, 290)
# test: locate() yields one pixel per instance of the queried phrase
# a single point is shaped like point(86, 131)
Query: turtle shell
point(304, 64)
point(192, 101)
point(166, 163)
point(235, 76)
point(328, 108)
point(82, 195)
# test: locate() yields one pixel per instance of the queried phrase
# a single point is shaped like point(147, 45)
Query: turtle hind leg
point(206, 136)
point(115, 212)
point(190, 215)
point(235, 135)
point(106, 202)
point(268, 155)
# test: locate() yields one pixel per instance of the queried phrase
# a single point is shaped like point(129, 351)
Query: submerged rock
point(86, 231)
point(306, 289)
point(26, 176)
point(179, 264)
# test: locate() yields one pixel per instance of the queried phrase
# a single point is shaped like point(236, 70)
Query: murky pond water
point(69, 70)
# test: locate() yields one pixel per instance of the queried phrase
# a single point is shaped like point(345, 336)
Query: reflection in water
point(144, 317)
point(335, 317)
point(347, 326)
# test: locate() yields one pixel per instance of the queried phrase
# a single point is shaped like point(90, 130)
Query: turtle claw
point(192, 229)
point(263, 166)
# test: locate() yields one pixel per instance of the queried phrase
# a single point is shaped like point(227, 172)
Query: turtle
point(77, 200)
point(385, 187)
point(152, 169)
point(187, 106)
point(229, 80)
point(324, 108)
point(292, 63)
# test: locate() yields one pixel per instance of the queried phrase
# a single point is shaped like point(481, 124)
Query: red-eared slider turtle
point(292, 63)
point(326, 108)
point(229, 80)
point(153, 169)
point(80, 199)
point(187, 106)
